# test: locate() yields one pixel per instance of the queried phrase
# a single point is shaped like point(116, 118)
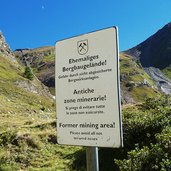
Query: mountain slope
point(136, 84)
point(15, 89)
point(42, 62)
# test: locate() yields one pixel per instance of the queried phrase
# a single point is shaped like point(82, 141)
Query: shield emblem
point(82, 47)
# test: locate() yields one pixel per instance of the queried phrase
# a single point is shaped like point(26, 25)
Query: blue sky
point(36, 23)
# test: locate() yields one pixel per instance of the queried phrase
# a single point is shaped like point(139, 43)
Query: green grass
point(28, 142)
point(48, 58)
point(52, 90)
point(167, 71)
point(8, 71)
point(133, 79)
point(132, 69)
point(141, 93)
point(28, 138)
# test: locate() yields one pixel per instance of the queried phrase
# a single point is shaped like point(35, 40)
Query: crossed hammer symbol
point(82, 45)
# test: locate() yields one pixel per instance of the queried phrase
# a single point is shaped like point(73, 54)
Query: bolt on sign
point(88, 90)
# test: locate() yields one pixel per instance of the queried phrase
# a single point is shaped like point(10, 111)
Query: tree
point(28, 73)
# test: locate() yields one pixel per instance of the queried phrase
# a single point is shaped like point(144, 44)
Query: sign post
point(92, 159)
point(88, 90)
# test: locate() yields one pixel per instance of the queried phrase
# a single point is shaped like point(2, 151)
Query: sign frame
point(83, 48)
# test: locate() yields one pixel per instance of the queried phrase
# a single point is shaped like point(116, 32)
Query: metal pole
point(92, 159)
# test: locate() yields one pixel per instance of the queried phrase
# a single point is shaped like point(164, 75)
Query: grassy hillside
point(18, 93)
point(28, 124)
point(136, 85)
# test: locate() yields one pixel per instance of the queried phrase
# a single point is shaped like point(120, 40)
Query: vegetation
point(147, 136)
point(167, 71)
point(135, 82)
point(15, 93)
point(48, 58)
point(28, 73)
point(28, 138)
point(29, 142)
point(42, 62)
point(132, 70)
point(27, 125)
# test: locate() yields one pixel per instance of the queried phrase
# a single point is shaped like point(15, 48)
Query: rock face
point(5, 49)
point(163, 83)
point(156, 50)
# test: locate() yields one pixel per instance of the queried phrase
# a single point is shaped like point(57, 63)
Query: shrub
point(147, 137)
point(7, 137)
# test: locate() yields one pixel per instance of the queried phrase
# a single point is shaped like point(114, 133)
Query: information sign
point(88, 90)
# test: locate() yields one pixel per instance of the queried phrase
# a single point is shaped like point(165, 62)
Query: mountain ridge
point(154, 51)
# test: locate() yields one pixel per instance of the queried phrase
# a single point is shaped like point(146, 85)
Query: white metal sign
point(87, 90)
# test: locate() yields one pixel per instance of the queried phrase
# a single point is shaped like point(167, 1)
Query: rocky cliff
point(5, 50)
